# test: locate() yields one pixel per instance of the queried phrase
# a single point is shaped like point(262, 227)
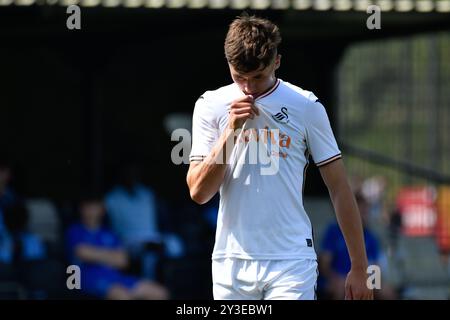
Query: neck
point(91, 225)
point(272, 82)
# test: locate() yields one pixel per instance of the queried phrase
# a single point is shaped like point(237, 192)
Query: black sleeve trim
point(329, 160)
point(196, 158)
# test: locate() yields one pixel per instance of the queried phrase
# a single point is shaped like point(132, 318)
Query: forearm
point(204, 180)
point(349, 219)
point(114, 258)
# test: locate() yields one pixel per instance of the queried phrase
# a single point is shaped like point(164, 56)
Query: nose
point(249, 87)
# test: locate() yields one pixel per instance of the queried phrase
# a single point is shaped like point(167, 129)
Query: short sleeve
point(204, 130)
point(320, 138)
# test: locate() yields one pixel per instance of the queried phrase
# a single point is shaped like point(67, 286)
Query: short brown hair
point(251, 43)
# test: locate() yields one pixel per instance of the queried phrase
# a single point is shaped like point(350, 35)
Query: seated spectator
point(17, 244)
point(132, 210)
point(23, 256)
point(335, 261)
point(100, 256)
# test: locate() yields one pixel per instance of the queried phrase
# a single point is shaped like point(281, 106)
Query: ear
point(277, 61)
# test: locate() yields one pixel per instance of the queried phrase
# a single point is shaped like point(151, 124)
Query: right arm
point(205, 177)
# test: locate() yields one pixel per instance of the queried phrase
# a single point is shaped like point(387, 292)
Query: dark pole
point(93, 129)
point(433, 96)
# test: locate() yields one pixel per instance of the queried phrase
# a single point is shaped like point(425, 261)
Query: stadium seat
point(423, 274)
point(12, 291)
point(44, 220)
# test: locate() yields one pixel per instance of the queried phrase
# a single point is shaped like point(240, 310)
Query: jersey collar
point(269, 91)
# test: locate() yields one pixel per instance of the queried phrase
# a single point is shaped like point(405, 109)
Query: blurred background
point(86, 117)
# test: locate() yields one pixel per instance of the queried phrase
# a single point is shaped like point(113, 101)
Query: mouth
point(254, 94)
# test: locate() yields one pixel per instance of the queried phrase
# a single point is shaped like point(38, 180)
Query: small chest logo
point(282, 116)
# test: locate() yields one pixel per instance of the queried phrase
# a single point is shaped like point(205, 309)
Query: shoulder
point(212, 100)
point(144, 190)
point(115, 193)
point(305, 102)
point(220, 94)
point(296, 94)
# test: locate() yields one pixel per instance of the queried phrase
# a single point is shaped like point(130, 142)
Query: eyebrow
point(254, 76)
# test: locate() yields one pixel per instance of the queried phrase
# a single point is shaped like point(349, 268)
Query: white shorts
point(240, 279)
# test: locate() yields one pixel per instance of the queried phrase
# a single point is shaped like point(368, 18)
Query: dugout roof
point(316, 5)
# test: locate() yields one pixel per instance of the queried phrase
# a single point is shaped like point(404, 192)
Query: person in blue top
point(334, 257)
point(101, 258)
point(23, 253)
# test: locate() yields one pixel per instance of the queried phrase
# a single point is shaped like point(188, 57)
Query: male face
point(92, 212)
point(256, 82)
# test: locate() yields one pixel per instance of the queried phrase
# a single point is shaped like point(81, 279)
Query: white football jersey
point(261, 214)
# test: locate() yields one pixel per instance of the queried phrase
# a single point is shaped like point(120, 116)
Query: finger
point(245, 116)
point(255, 109)
point(242, 110)
point(348, 293)
point(247, 98)
point(365, 295)
point(242, 104)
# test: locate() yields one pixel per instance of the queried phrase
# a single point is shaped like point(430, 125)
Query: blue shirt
point(334, 243)
point(101, 237)
point(96, 278)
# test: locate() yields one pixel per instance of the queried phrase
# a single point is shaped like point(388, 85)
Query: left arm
point(116, 258)
point(348, 217)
